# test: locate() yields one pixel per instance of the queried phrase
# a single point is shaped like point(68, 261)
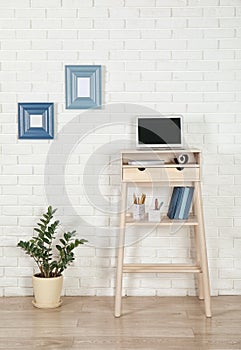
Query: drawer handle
point(141, 169)
point(176, 161)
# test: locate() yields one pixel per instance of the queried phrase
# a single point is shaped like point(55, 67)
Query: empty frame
point(83, 87)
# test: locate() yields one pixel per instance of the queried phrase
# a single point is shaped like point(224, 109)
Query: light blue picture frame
point(44, 112)
point(83, 87)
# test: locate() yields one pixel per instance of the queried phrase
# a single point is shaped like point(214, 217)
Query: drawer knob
point(176, 161)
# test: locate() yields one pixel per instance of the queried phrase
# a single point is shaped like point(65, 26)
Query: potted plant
point(51, 257)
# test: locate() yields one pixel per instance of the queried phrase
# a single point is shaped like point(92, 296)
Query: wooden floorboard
point(147, 323)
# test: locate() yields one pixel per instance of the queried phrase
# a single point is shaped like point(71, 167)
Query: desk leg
point(120, 254)
point(203, 251)
point(198, 259)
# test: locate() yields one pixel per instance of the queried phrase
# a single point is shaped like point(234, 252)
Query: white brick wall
point(171, 56)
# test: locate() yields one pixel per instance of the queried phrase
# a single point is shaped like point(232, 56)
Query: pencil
point(143, 197)
point(134, 197)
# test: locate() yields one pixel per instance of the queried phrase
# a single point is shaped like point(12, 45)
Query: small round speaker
point(182, 158)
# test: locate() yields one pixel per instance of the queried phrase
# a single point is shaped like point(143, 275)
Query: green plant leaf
point(62, 241)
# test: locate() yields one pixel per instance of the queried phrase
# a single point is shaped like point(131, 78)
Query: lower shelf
point(162, 268)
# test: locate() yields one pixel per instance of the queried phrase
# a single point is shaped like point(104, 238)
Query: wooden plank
point(161, 268)
point(190, 165)
point(165, 221)
point(174, 151)
point(48, 343)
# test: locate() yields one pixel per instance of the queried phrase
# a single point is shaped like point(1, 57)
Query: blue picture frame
point(88, 96)
point(44, 112)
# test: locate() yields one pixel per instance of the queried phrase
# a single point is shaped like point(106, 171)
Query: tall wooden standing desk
point(136, 168)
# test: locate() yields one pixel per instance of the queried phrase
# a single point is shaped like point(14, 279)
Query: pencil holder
point(154, 215)
point(139, 212)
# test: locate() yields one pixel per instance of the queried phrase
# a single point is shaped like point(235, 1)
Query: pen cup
point(139, 212)
point(154, 215)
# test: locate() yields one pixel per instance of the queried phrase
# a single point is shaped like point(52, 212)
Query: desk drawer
point(160, 174)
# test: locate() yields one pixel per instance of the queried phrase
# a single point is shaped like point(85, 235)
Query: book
point(188, 204)
point(179, 203)
point(173, 202)
point(184, 203)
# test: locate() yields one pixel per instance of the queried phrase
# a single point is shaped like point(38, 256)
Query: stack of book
point(180, 203)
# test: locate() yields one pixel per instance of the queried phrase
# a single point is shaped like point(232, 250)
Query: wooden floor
point(147, 323)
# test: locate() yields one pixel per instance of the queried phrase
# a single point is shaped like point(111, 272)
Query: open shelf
point(191, 221)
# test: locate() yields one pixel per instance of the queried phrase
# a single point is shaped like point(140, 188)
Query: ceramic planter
point(47, 292)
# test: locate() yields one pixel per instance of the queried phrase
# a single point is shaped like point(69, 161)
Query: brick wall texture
point(158, 56)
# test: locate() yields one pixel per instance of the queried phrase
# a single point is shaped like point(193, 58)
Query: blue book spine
point(179, 203)
point(173, 202)
point(184, 203)
point(189, 202)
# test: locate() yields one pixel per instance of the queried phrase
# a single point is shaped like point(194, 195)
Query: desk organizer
point(154, 215)
point(139, 212)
